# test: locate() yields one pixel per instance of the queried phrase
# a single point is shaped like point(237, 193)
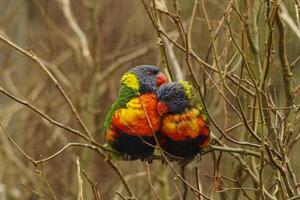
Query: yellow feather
point(188, 88)
point(130, 80)
point(134, 109)
point(194, 112)
point(134, 103)
point(168, 125)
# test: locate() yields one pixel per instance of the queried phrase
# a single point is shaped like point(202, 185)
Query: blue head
point(174, 97)
point(144, 78)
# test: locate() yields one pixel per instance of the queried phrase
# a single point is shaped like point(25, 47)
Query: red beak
point(162, 108)
point(160, 79)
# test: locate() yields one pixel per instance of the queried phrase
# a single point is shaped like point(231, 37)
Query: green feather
point(125, 95)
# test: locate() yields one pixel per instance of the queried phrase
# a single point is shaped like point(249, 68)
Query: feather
point(184, 130)
point(126, 127)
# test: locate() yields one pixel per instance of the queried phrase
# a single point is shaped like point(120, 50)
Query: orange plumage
point(133, 119)
point(183, 126)
point(184, 130)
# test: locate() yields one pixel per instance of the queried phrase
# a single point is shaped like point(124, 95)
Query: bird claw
point(198, 157)
point(126, 157)
point(147, 159)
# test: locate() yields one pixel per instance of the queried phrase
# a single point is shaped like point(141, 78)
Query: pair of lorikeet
point(148, 107)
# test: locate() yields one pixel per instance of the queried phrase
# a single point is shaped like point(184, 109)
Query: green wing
point(125, 95)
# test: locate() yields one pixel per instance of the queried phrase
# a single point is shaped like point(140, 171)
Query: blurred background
point(87, 45)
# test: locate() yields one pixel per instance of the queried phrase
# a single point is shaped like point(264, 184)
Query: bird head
point(144, 78)
point(174, 97)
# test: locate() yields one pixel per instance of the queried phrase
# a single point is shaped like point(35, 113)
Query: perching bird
point(127, 128)
point(184, 130)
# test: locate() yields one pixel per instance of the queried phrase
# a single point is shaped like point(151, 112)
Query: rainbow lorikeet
point(126, 127)
point(184, 130)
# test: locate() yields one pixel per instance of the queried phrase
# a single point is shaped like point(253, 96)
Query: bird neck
point(126, 94)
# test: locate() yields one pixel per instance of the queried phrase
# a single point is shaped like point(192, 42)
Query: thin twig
point(34, 192)
point(39, 62)
point(79, 179)
point(94, 186)
point(150, 182)
point(42, 173)
point(199, 187)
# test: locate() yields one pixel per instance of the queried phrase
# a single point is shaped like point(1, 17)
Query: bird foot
point(198, 157)
point(147, 159)
point(126, 157)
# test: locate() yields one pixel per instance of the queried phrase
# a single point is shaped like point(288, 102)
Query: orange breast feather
point(133, 119)
point(188, 125)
